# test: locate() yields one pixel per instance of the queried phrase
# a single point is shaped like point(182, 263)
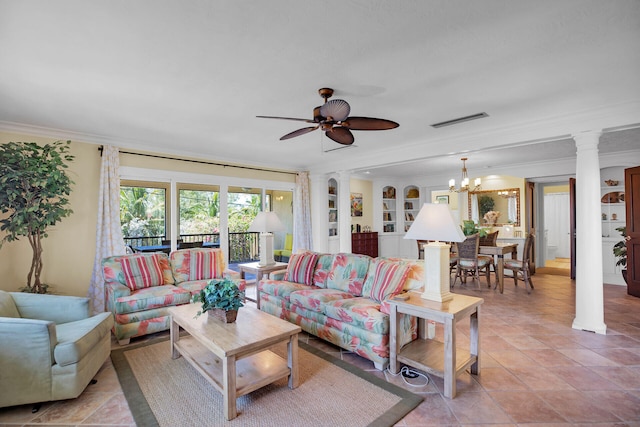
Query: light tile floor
point(534, 368)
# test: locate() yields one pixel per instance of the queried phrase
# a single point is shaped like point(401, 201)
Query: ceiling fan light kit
point(333, 119)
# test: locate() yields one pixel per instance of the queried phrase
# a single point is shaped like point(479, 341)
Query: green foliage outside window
point(142, 211)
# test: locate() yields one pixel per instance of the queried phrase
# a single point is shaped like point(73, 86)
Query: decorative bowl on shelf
point(611, 182)
point(613, 197)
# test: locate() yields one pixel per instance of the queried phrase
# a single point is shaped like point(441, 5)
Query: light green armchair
point(284, 254)
point(50, 347)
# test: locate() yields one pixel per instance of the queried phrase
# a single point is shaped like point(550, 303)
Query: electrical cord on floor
point(406, 372)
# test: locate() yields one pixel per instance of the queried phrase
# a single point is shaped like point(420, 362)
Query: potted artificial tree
point(34, 191)
point(620, 251)
point(221, 298)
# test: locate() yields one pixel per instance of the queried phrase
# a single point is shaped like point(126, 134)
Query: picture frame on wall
point(356, 204)
point(443, 200)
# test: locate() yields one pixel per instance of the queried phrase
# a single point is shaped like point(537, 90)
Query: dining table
point(500, 250)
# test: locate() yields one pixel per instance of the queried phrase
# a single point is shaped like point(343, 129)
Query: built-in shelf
point(389, 212)
point(333, 207)
point(411, 205)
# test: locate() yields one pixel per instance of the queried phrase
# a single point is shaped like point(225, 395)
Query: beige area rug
point(166, 392)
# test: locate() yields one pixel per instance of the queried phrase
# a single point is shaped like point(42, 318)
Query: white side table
point(441, 359)
point(259, 271)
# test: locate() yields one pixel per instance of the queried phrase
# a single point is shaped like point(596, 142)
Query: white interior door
point(556, 221)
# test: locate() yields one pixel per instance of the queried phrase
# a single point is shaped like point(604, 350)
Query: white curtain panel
point(109, 239)
point(302, 239)
point(475, 216)
point(512, 208)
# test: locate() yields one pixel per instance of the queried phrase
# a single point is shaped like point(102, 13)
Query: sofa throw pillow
point(348, 273)
point(205, 264)
point(323, 268)
point(301, 267)
point(141, 271)
point(388, 279)
point(7, 305)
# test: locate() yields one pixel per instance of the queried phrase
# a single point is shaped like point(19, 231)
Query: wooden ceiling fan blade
point(298, 132)
point(368, 123)
point(340, 135)
point(286, 118)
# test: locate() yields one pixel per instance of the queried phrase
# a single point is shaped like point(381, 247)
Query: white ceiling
point(189, 77)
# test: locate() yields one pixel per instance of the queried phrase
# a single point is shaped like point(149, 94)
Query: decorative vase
point(222, 315)
point(507, 231)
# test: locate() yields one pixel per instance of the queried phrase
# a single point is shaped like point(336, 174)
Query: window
point(243, 205)
point(199, 214)
point(143, 214)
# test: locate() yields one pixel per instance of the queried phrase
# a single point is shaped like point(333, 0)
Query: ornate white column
point(589, 289)
point(344, 210)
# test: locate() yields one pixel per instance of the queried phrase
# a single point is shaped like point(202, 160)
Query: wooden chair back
point(468, 248)
point(490, 239)
point(421, 244)
point(528, 248)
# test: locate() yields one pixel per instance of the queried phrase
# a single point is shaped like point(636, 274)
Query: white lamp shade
point(435, 222)
point(266, 222)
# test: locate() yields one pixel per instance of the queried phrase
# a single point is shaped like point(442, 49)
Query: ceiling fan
point(333, 118)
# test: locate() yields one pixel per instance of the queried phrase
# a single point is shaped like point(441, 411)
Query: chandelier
point(464, 184)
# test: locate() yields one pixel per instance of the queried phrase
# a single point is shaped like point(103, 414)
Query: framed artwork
point(356, 204)
point(444, 200)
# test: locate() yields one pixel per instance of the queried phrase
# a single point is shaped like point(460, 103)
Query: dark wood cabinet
point(365, 243)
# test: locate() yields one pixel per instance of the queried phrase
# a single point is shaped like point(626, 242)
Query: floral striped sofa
point(343, 298)
point(140, 287)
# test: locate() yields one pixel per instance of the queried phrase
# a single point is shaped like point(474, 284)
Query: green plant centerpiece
point(620, 251)
point(470, 228)
point(221, 298)
point(34, 195)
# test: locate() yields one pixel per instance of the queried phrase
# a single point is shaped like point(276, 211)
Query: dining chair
point(469, 263)
point(490, 239)
point(520, 268)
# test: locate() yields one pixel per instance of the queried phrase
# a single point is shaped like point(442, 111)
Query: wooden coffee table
point(235, 357)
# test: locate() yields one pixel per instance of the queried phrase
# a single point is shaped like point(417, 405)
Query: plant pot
point(624, 276)
point(222, 315)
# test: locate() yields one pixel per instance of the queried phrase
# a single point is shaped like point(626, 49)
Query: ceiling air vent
point(459, 120)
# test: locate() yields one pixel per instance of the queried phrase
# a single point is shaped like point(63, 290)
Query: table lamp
point(435, 222)
point(265, 223)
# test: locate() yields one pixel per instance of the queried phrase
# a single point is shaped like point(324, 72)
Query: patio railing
point(243, 247)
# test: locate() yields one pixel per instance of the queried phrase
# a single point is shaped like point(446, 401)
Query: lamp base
point(266, 250)
point(436, 270)
point(438, 296)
